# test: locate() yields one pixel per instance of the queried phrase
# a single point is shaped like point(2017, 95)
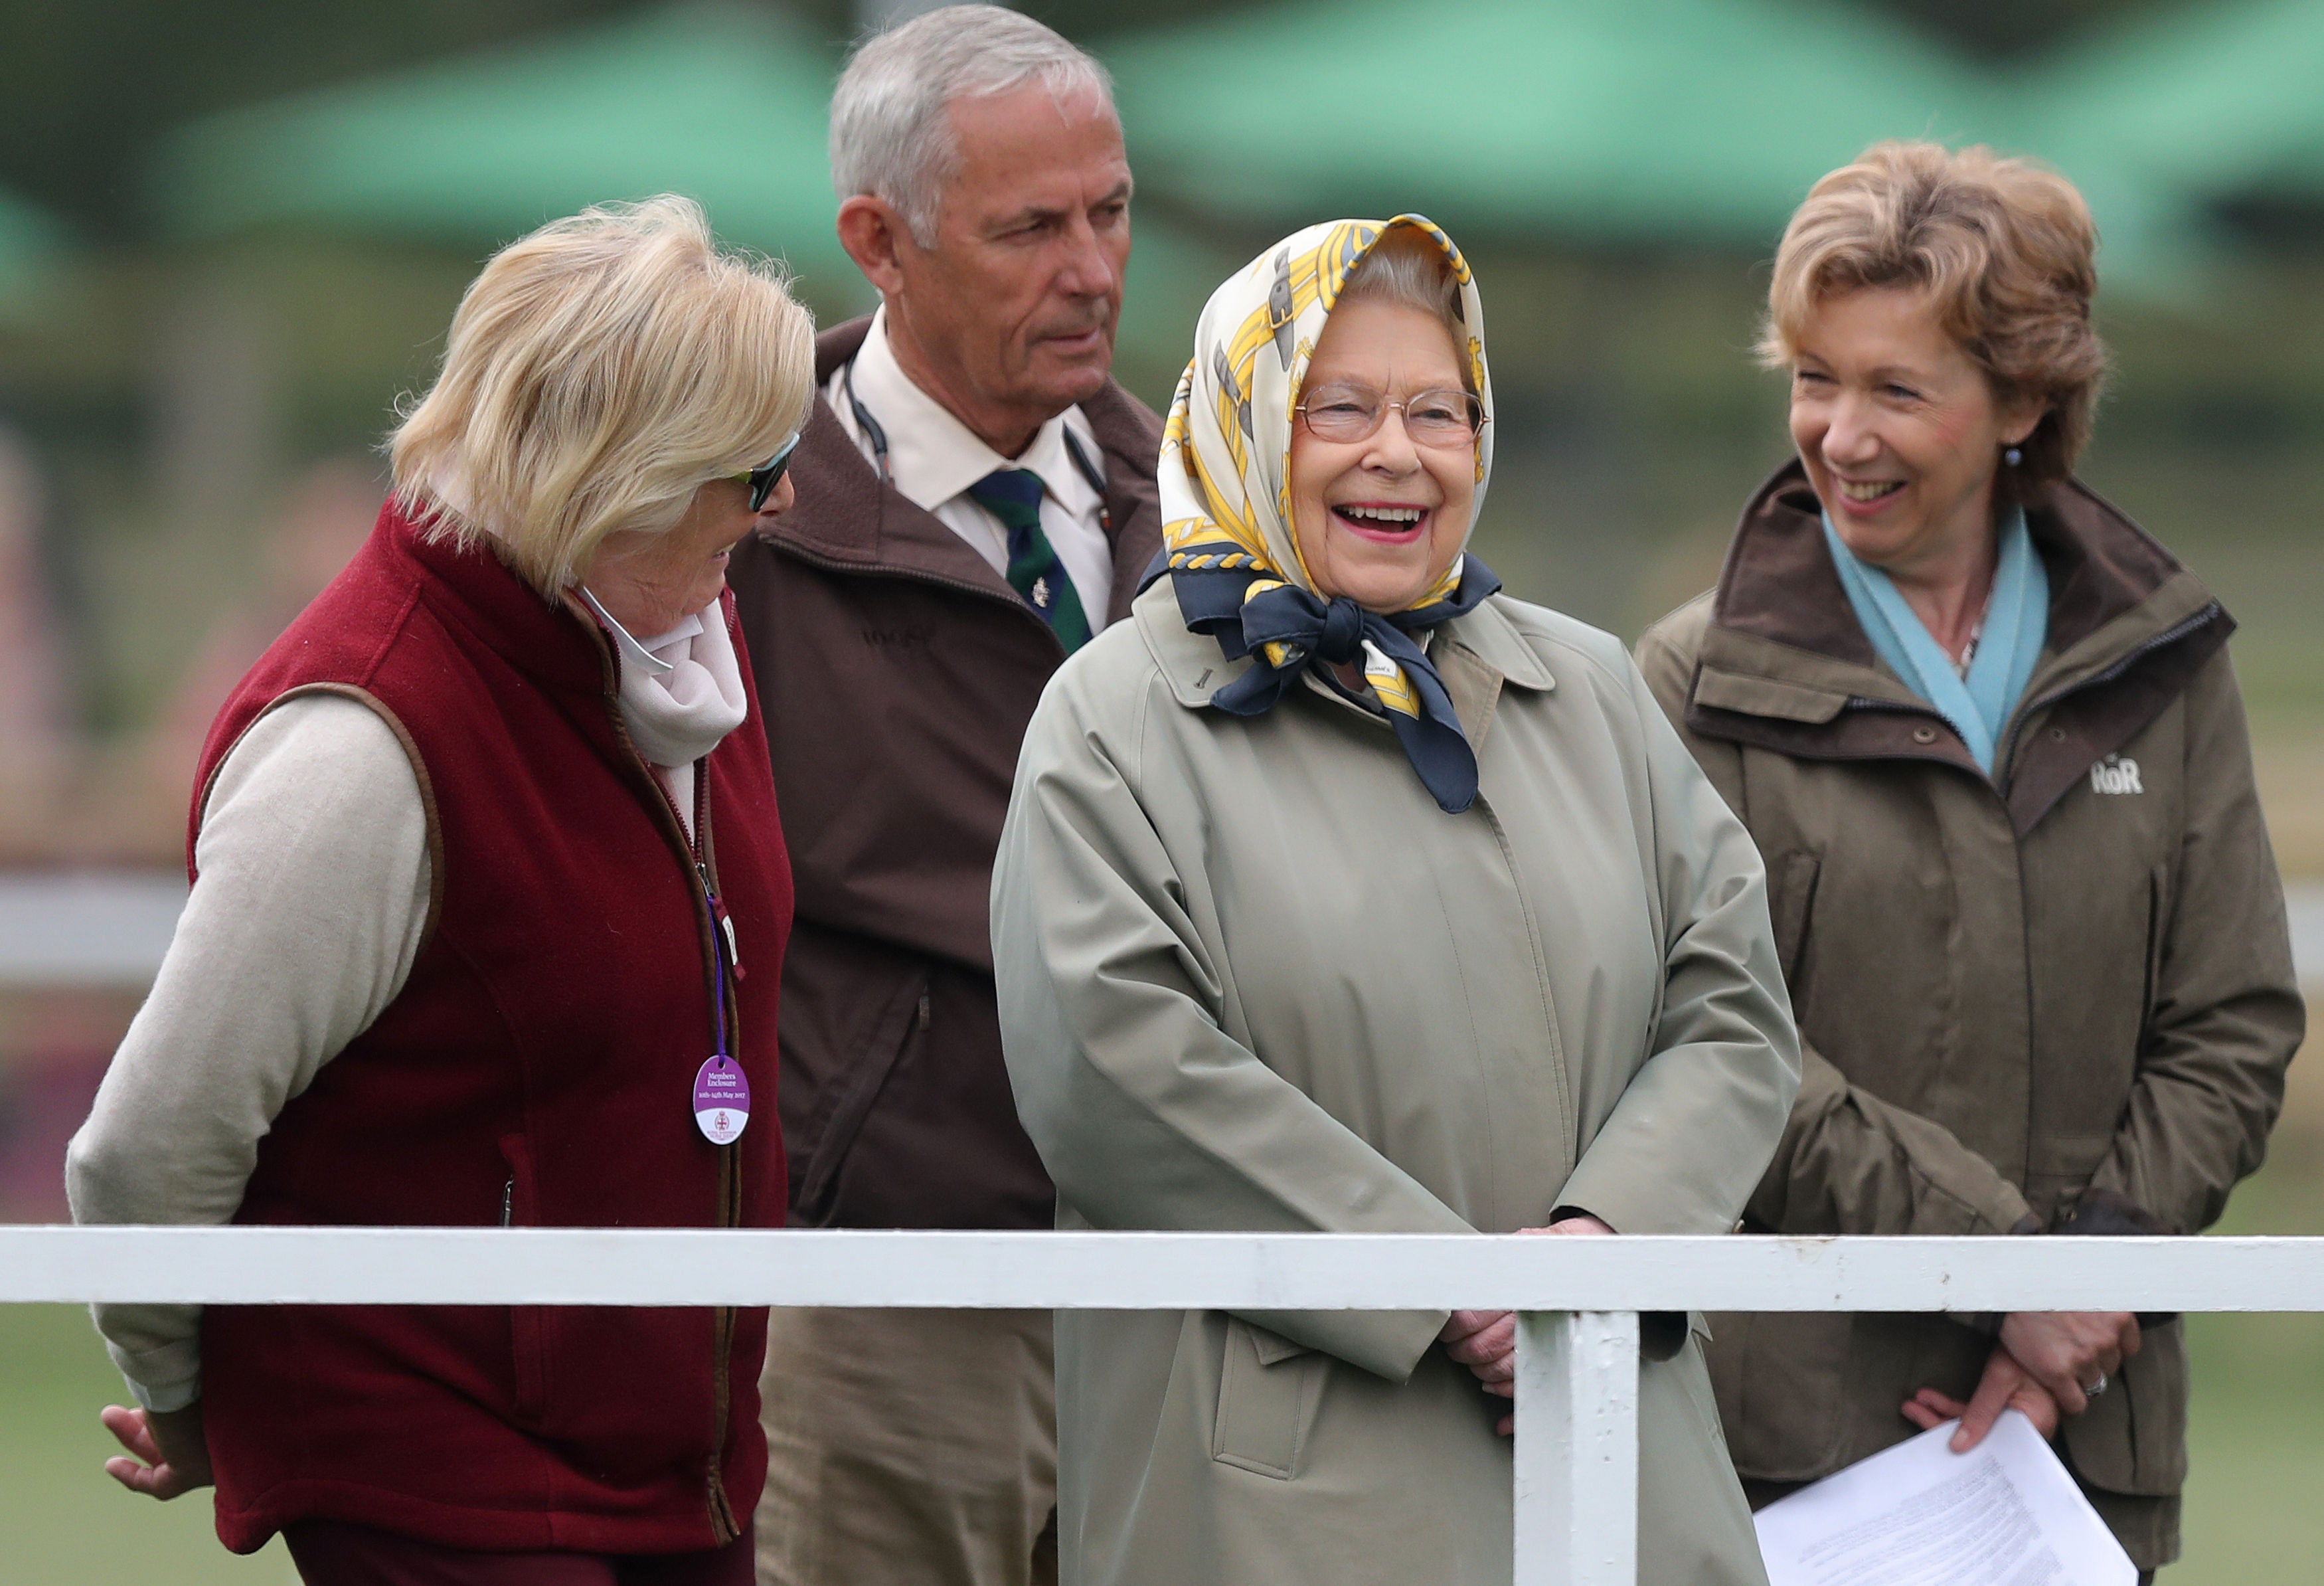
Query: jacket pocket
point(901, 1019)
point(1793, 879)
point(2132, 1439)
point(1269, 1392)
point(529, 1325)
point(2157, 886)
point(1781, 1381)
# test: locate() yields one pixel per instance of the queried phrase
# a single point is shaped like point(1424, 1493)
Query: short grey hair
point(1407, 268)
point(1404, 266)
point(891, 136)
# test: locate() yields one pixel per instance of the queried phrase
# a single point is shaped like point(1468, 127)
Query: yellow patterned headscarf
point(1226, 511)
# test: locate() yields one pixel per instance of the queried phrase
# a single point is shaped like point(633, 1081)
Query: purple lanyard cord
point(722, 1093)
point(720, 939)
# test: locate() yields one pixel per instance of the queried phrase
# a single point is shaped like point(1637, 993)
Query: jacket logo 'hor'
point(2115, 773)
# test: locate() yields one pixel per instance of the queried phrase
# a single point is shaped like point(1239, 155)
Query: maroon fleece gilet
point(537, 1069)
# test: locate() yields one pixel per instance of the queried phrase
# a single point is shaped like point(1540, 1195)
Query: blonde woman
point(1342, 892)
point(1985, 733)
point(488, 913)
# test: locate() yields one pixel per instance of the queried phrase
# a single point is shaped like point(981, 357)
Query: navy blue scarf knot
point(1284, 629)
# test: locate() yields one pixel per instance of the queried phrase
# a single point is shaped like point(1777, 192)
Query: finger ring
point(2096, 1388)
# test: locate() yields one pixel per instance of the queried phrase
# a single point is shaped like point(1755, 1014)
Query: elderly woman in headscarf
point(1342, 892)
point(488, 915)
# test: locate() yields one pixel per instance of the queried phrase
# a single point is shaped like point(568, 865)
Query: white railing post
point(1577, 1448)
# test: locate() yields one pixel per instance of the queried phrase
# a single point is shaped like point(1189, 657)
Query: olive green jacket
point(1252, 977)
point(2074, 976)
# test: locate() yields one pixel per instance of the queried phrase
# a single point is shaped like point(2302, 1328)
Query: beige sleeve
point(312, 899)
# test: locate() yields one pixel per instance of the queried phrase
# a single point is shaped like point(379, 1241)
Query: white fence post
point(1577, 1448)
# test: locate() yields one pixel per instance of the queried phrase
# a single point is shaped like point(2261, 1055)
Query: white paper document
point(2004, 1514)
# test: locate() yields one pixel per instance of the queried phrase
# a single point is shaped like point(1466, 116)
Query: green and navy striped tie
point(1013, 495)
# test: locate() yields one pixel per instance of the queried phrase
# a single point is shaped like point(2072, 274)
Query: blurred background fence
point(232, 233)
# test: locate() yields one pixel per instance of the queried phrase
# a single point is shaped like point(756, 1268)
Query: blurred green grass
point(2256, 1429)
point(62, 1521)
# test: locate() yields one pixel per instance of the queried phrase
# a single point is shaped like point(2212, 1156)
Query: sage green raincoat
point(1252, 976)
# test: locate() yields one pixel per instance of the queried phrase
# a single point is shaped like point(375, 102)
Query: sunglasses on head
point(761, 480)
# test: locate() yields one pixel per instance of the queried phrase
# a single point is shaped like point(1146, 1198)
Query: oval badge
point(722, 1100)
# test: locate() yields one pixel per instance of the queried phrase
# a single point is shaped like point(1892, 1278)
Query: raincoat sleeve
point(1146, 1113)
point(1847, 1162)
point(2225, 1016)
point(1851, 1163)
point(1696, 1126)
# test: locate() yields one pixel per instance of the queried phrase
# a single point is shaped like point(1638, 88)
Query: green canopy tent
point(1685, 122)
point(729, 104)
point(723, 103)
point(2218, 101)
point(32, 244)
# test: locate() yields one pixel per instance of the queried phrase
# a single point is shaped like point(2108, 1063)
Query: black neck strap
point(871, 431)
point(868, 425)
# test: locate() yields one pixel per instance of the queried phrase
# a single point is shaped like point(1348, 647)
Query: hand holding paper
point(2006, 1514)
point(2004, 1386)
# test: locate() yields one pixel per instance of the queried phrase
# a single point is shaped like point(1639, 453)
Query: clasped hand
point(1486, 1341)
point(168, 1453)
point(2045, 1365)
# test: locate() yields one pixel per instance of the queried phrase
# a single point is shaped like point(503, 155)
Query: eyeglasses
point(1345, 413)
point(762, 481)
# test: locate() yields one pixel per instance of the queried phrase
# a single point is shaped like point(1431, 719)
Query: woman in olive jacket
point(1987, 736)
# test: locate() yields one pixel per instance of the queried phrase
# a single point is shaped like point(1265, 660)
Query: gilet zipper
point(698, 849)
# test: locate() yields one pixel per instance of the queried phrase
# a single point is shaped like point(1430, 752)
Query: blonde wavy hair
point(2006, 252)
point(598, 372)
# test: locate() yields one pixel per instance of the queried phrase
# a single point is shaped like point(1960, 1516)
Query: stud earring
point(2013, 456)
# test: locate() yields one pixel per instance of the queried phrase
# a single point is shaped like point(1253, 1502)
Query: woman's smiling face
point(1900, 430)
point(1379, 520)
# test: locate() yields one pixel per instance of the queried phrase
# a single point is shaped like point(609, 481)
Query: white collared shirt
point(933, 458)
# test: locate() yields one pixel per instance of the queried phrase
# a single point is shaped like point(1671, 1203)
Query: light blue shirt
point(2016, 624)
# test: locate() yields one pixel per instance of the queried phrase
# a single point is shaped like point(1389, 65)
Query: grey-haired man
point(975, 498)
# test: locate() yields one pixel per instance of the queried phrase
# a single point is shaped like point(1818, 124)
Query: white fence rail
point(1576, 1480)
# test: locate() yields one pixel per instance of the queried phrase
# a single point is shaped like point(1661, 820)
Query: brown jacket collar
point(834, 483)
point(1784, 665)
